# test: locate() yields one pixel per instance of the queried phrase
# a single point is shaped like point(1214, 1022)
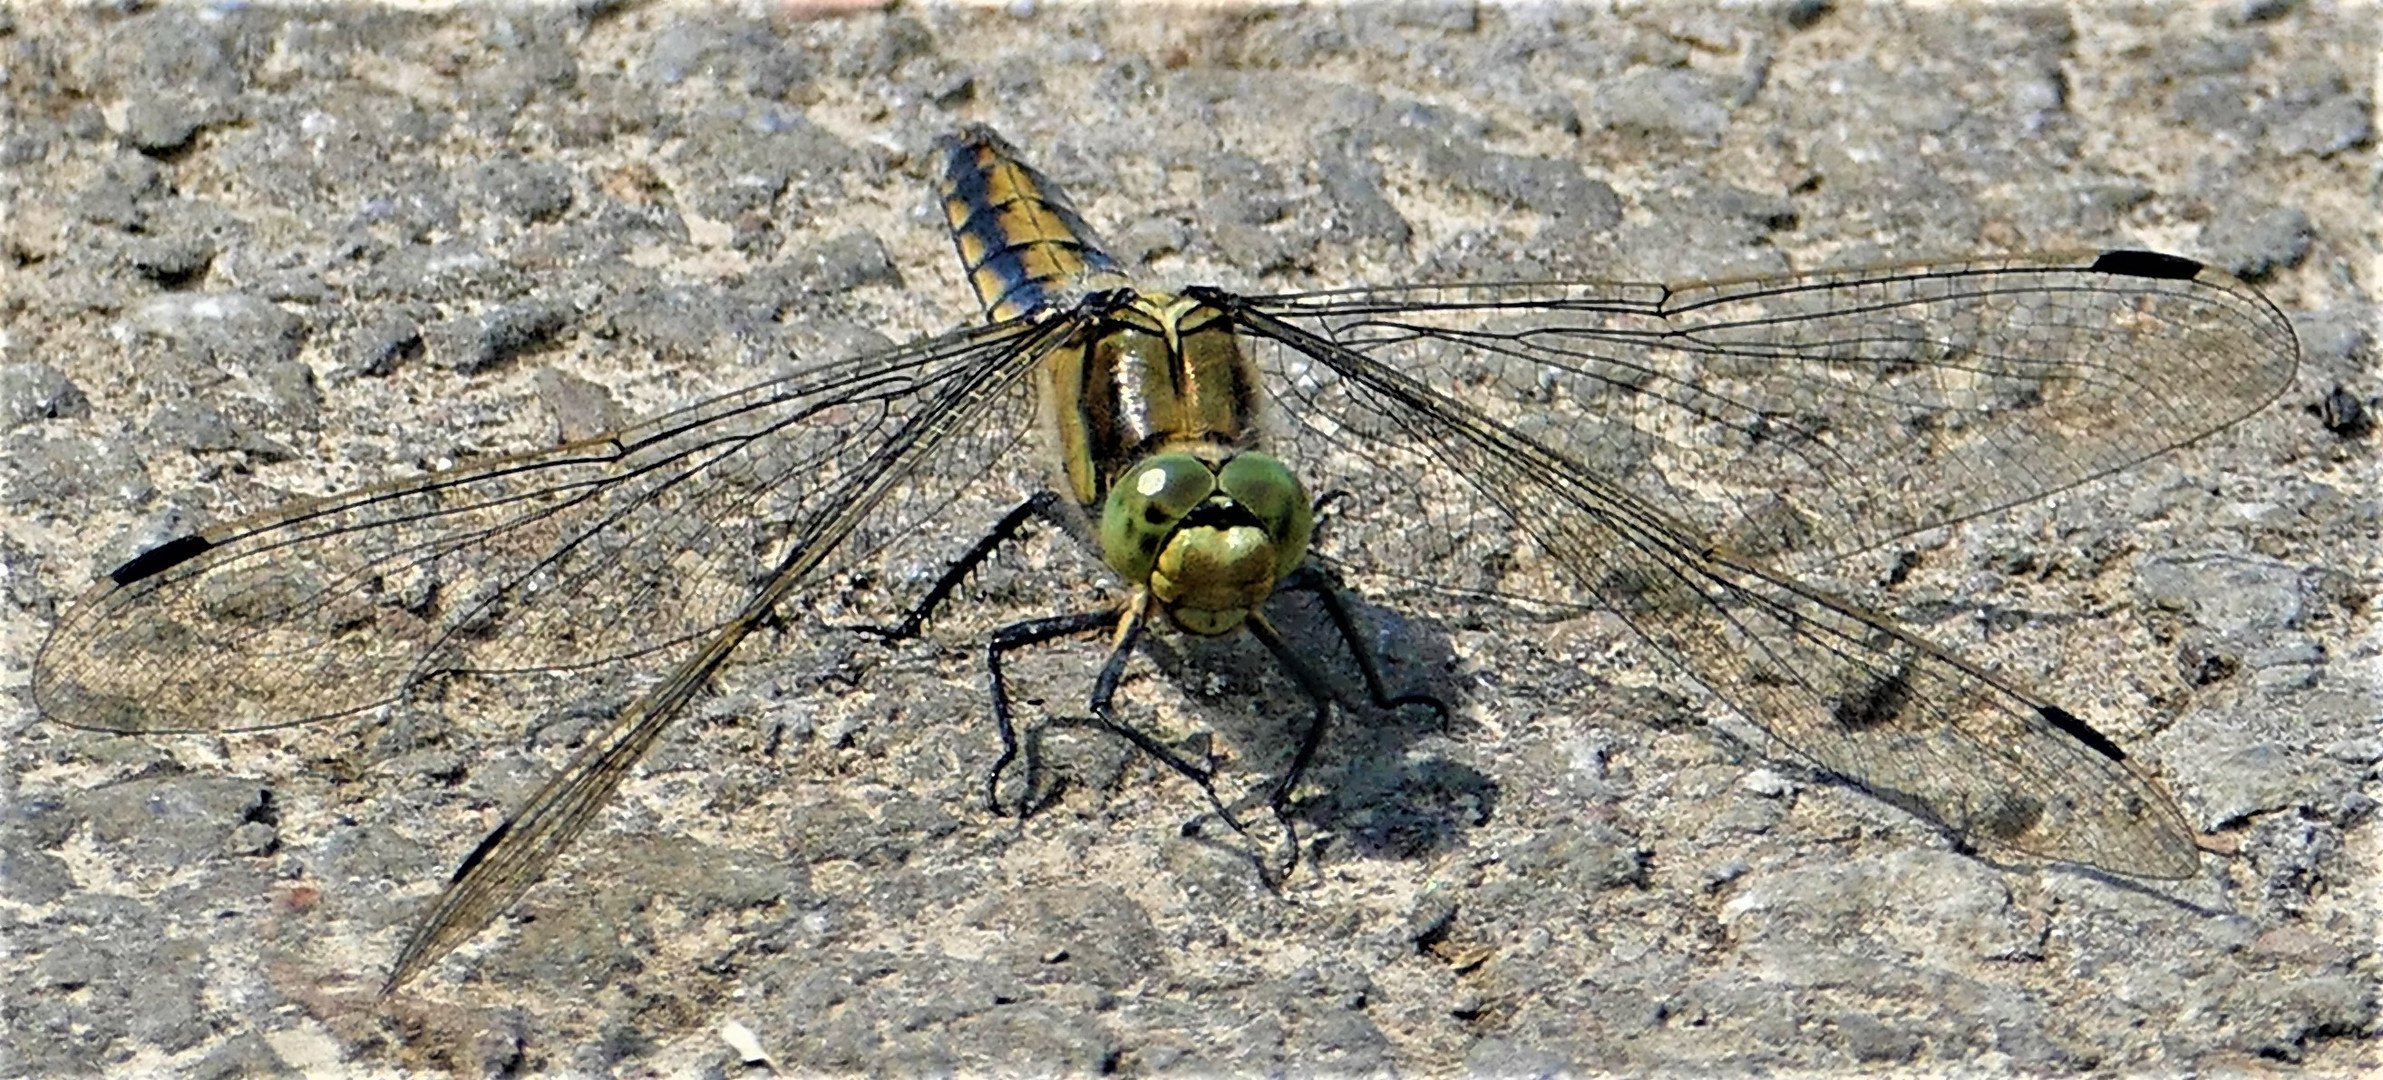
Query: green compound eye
point(1145, 504)
point(1266, 488)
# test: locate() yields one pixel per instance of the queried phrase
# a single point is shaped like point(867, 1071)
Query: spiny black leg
point(1044, 505)
point(1017, 636)
point(1320, 691)
point(1104, 691)
point(1130, 625)
point(1310, 578)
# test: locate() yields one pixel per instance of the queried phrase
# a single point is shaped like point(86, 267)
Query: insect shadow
point(1248, 716)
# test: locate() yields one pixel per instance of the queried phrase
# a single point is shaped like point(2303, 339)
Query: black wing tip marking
point(2081, 731)
point(159, 559)
point(2148, 264)
point(487, 844)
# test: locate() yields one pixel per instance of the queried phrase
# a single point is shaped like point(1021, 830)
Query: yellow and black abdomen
point(1024, 247)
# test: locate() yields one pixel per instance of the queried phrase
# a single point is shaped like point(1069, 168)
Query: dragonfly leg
point(1328, 590)
point(1018, 636)
point(1129, 626)
point(1104, 691)
point(1310, 578)
point(1318, 690)
point(1044, 505)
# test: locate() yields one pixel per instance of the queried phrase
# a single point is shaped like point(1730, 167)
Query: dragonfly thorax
point(1145, 373)
point(1209, 539)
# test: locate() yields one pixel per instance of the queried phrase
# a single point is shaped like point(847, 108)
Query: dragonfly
point(1684, 457)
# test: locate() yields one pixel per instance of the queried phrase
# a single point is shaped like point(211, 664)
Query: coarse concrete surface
point(250, 252)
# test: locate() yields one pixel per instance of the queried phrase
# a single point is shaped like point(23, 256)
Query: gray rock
point(2235, 783)
point(2216, 106)
point(199, 427)
point(1666, 102)
point(288, 391)
point(123, 977)
point(681, 50)
point(2325, 128)
point(1955, 909)
point(172, 52)
point(172, 821)
point(475, 343)
point(2221, 54)
point(422, 214)
point(1352, 184)
point(71, 472)
point(28, 144)
point(32, 877)
point(2258, 11)
point(171, 262)
point(252, 839)
point(2345, 414)
point(34, 391)
point(165, 1008)
point(1014, 77)
point(1556, 188)
point(842, 263)
point(581, 409)
point(448, 271)
point(1031, 1038)
point(1868, 1039)
point(1507, 1057)
point(2296, 858)
point(2254, 243)
point(2235, 597)
point(161, 125)
point(245, 1055)
point(526, 191)
point(535, 61)
point(124, 194)
point(738, 161)
point(1703, 232)
point(2335, 343)
point(680, 322)
point(389, 342)
point(225, 327)
point(1582, 858)
point(2364, 750)
point(2280, 1018)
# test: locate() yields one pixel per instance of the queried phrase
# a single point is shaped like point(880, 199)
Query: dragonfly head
point(1209, 540)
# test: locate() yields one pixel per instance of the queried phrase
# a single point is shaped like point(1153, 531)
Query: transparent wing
point(1676, 455)
point(947, 439)
point(666, 543)
point(636, 546)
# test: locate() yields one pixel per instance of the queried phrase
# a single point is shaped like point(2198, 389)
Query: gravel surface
point(250, 253)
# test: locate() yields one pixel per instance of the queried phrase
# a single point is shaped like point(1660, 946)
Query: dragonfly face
point(1677, 456)
point(1209, 540)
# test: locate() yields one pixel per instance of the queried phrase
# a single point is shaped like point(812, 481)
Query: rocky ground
point(249, 253)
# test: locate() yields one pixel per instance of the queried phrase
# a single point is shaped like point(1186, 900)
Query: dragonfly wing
point(1664, 453)
point(1911, 723)
point(1813, 416)
point(941, 442)
point(513, 858)
point(638, 545)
